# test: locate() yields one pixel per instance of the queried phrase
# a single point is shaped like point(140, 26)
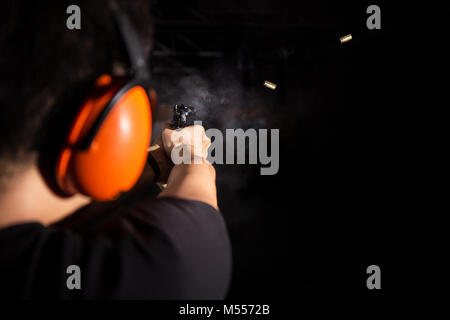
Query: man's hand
point(184, 139)
point(191, 139)
point(194, 179)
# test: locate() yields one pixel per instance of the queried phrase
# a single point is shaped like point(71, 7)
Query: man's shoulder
point(20, 231)
point(150, 209)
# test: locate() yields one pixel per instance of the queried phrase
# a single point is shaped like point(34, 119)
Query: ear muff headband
point(135, 52)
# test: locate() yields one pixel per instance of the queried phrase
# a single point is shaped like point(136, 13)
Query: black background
point(364, 134)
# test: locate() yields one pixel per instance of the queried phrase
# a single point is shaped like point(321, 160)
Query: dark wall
point(364, 129)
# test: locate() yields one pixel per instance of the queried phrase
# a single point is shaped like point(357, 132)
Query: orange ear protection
point(106, 148)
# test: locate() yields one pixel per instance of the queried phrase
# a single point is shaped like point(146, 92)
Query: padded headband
point(135, 53)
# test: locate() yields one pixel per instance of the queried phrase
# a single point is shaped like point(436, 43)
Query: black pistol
point(182, 116)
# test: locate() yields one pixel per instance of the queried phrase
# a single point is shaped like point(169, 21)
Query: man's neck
point(26, 198)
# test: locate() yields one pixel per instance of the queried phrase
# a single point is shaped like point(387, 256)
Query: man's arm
point(195, 181)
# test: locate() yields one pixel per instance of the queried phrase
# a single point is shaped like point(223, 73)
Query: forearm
point(192, 182)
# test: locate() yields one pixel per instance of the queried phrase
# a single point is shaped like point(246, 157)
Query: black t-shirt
point(149, 249)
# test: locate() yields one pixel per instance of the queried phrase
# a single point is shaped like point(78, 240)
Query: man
point(172, 247)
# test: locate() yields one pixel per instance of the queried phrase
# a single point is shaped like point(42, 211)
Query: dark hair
point(46, 69)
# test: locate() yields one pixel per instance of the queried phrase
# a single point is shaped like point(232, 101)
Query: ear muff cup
point(106, 149)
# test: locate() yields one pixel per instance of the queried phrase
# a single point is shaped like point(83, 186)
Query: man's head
point(46, 69)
